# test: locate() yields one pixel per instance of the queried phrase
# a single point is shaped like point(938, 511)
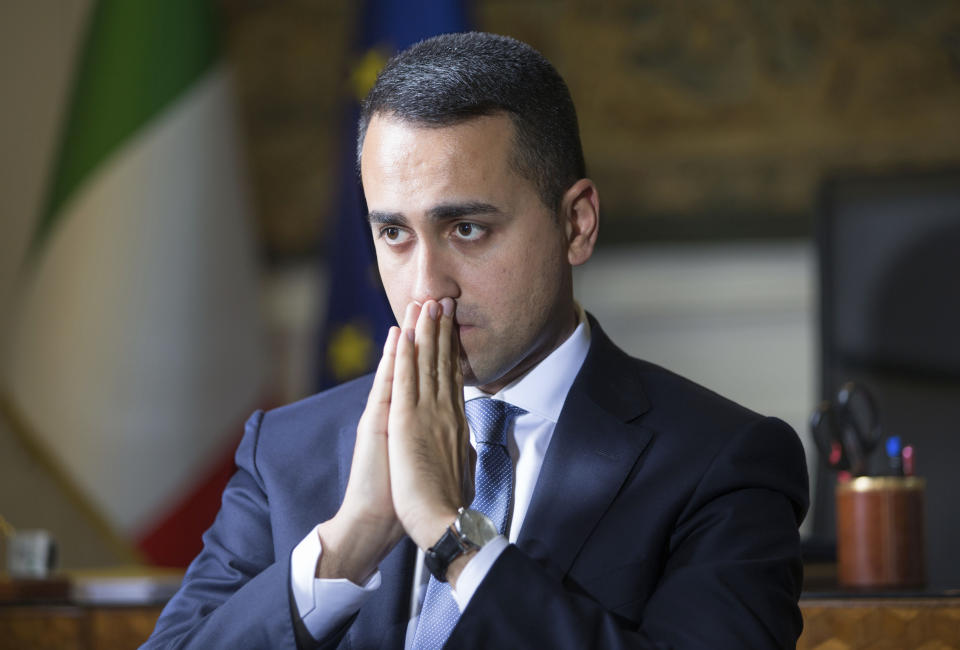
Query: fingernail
point(411, 308)
point(448, 305)
point(410, 334)
point(433, 309)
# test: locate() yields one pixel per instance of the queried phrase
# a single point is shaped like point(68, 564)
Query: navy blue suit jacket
point(665, 516)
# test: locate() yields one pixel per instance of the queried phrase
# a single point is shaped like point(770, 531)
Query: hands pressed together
point(413, 464)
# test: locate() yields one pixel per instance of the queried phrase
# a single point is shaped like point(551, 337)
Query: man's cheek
point(396, 296)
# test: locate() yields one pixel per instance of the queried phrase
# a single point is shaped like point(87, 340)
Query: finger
point(405, 365)
point(427, 349)
point(410, 316)
point(446, 351)
point(456, 353)
point(383, 379)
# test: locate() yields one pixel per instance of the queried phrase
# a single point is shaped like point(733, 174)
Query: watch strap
point(448, 548)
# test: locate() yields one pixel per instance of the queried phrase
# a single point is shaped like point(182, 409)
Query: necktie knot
point(490, 418)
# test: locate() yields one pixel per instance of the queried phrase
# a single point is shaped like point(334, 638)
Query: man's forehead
point(441, 173)
point(495, 128)
point(476, 151)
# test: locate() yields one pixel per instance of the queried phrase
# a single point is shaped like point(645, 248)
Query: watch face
point(476, 526)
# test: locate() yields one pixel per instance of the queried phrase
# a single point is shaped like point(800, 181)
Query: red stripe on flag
point(175, 539)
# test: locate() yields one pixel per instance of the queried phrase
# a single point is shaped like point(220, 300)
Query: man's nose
point(434, 275)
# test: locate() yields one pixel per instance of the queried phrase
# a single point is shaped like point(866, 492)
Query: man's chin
point(486, 372)
point(489, 382)
point(469, 377)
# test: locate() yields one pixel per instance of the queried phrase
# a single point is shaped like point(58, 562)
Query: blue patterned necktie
point(489, 420)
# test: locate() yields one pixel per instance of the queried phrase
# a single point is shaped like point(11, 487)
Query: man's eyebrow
point(376, 217)
point(453, 211)
point(442, 212)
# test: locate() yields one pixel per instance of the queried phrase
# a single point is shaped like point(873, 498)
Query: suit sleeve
point(732, 575)
point(236, 593)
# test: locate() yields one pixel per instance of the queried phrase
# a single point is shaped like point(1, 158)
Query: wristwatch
point(472, 529)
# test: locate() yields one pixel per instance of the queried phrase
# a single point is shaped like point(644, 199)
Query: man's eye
point(393, 234)
point(469, 231)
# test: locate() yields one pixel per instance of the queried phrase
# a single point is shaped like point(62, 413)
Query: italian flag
point(136, 348)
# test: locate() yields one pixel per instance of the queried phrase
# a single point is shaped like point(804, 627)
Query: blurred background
point(170, 240)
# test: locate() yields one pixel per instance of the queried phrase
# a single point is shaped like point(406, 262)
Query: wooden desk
point(850, 623)
point(40, 614)
point(71, 627)
point(880, 623)
point(841, 619)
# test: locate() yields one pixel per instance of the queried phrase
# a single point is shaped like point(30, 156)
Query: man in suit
point(625, 506)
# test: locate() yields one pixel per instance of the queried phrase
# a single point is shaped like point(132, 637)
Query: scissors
point(847, 429)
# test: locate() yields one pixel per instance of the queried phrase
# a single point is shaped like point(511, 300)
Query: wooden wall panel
point(699, 119)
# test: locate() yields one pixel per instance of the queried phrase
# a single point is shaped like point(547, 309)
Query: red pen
point(907, 455)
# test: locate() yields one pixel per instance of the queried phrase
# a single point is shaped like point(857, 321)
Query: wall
point(699, 120)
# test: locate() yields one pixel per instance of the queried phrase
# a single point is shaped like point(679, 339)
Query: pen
point(894, 460)
point(908, 460)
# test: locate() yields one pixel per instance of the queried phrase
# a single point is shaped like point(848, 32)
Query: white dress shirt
point(324, 605)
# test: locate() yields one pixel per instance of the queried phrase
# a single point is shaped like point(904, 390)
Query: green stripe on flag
point(138, 57)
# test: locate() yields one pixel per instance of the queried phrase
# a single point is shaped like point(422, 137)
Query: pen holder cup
point(880, 532)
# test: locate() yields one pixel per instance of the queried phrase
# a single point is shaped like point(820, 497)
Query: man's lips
point(466, 320)
point(465, 330)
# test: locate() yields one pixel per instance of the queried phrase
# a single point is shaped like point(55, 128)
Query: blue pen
point(894, 458)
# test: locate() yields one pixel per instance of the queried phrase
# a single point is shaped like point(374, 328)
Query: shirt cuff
point(477, 569)
point(323, 605)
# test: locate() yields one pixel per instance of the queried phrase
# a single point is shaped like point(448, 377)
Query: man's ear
point(580, 215)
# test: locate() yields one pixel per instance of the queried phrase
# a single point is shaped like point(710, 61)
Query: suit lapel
point(594, 447)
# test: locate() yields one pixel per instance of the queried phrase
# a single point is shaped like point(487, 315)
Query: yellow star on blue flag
point(350, 352)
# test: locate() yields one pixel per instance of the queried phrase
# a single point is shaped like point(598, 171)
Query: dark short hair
point(448, 79)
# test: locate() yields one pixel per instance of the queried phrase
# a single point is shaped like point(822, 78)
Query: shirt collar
point(543, 389)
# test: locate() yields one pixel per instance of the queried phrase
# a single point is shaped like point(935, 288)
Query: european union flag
point(358, 315)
